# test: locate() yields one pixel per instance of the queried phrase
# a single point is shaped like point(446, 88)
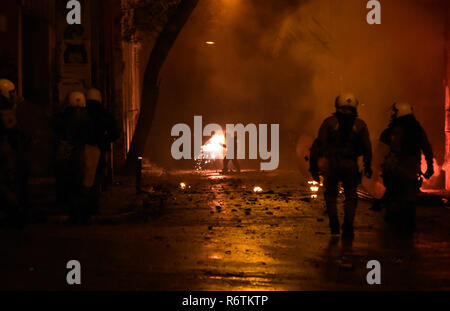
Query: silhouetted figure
point(105, 133)
point(13, 160)
point(342, 138)
point(401, 168)
point(234, 160)
point(74, 130)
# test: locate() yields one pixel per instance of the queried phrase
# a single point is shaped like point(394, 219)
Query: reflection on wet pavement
point(216, 232)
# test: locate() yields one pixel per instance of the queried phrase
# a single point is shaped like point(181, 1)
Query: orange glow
point(214, 148)
point(446, 166)
point(183, 186)
point(210, 42)
point(437, 172)
point(257, 189)
point(314, 185)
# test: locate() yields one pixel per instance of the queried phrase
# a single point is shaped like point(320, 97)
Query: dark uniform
point(342, 139)
point(401, 170)
point(74, 129)
point(13, 169)
point(105, 132)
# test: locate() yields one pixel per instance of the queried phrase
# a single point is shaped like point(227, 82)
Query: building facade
point(47, 58)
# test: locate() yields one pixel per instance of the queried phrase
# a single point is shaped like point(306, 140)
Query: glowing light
point(183, 186)
point(212, 150)
point(210, 42)
point(446, 166)
point(313, 196)
point(257, 189)
point(314, 185)
point(437, 172)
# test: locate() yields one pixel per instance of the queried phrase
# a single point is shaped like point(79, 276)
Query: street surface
point(215, 233)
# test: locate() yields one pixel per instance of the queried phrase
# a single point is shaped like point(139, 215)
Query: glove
point(429, 172)
point(368, 172)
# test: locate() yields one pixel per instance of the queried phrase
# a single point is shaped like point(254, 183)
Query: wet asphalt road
point(217, 234)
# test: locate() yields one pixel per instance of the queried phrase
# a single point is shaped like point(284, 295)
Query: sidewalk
point(119, 204)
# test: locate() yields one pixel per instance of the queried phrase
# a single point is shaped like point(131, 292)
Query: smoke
point(286, 61)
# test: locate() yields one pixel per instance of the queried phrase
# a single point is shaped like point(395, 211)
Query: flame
point(257, 189)
point(183, 186)
point(214, 147)
point(212, 150)
point(314, 185)
point(210, 42)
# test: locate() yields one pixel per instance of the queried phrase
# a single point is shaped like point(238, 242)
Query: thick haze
point(285, 61)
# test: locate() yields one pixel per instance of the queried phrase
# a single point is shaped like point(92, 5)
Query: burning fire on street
point(214, 149)
point(314, 187)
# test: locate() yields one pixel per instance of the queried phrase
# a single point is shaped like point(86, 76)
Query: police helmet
point(402, 109)
point(7, 88)
point(94, 94)
point(77, 99)
point(346, 103)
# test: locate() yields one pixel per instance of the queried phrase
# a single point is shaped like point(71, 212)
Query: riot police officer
point(105, 132)
point(401, 168)
point(74, 130)
point(13, 160)
point(342, 138)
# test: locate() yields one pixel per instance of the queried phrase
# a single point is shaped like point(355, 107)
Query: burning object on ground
point(214, 149)
point(314, 187)
point(257, 189)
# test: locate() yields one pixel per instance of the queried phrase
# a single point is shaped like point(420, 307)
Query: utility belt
point(342, 164)
point(336, 157)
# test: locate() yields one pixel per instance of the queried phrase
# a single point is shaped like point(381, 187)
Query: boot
point(347, 231)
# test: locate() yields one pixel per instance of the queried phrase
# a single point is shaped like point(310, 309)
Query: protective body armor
point(341, 136)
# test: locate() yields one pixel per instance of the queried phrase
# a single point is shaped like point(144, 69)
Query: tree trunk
point(150, 91)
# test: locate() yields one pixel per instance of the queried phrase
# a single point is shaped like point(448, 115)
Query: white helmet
point(94, 94)
point(346, 100)
point(7, 88)
point(77, 99)
point(402, 109)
